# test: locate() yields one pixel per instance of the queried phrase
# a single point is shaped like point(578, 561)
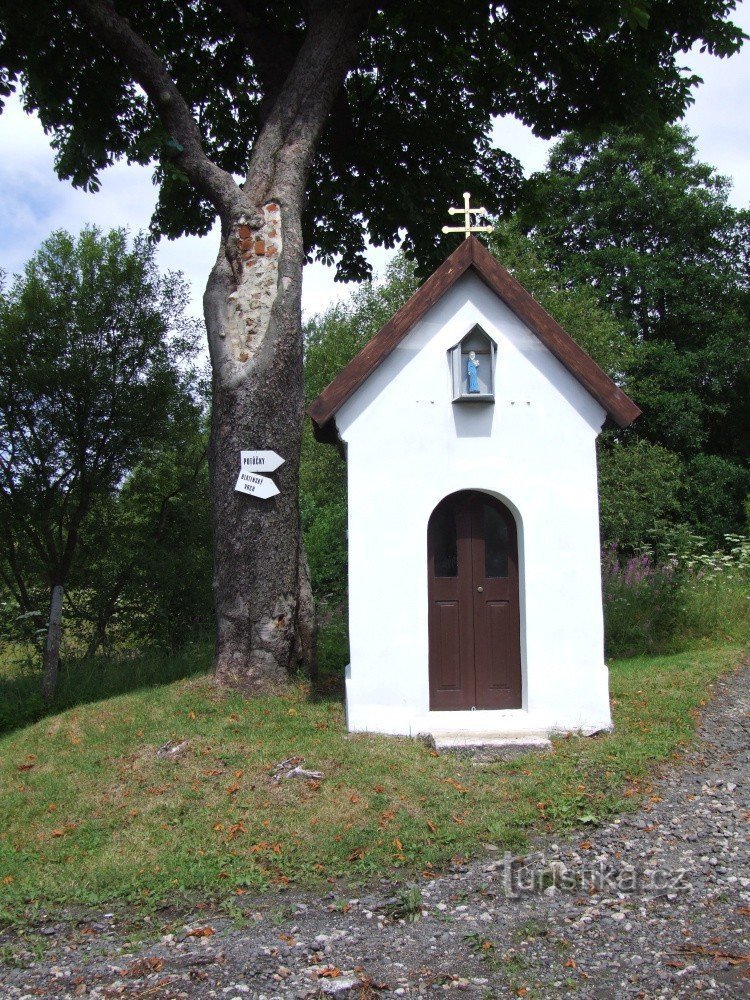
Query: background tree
point(650, 231)
point(640, 491)
point(371, 115)
point(576, 307)
point(92, 352)
point(143, 573)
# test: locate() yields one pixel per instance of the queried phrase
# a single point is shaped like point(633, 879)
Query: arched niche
point(473, 362)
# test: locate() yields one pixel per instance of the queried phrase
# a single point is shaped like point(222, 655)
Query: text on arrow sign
point(256, 486)
point(264, 461)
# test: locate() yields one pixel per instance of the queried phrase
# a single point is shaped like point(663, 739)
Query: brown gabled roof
point(470, 254)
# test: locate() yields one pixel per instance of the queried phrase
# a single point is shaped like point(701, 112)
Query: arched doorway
point(472, 564)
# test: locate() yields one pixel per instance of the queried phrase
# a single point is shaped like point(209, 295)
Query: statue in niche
point(472, 366)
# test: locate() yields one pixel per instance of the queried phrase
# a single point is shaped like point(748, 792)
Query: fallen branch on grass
point(292, 768)
point(171, 749)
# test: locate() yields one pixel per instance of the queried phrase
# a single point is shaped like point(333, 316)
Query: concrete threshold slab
point(486, 747)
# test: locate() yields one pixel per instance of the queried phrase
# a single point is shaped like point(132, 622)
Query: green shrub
point(639, 486)
point(668, 599)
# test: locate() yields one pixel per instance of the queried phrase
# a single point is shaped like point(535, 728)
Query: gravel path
point(656, 904)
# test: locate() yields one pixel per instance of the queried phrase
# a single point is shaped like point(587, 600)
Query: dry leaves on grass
point(456, 785)
point(61, 832)
point(264, 845)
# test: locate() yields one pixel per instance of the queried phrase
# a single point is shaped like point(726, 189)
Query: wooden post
point(52, 647)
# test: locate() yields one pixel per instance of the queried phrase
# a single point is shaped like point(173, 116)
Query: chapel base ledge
point(472, 728)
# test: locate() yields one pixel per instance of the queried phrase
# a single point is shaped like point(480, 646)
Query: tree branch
point(20, 592)
point(272, 52)
point(148, 70)
point(304, 102)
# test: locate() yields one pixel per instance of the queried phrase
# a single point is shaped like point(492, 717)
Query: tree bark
point(255, 336)
point(252, 306)
point(52, 645)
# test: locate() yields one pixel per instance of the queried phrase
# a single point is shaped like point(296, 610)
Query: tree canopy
point(410, 128)
point(650, 232)
point(649, 228)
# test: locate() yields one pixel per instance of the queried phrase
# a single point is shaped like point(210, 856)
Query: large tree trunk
point(252, 307)
point(252, 310)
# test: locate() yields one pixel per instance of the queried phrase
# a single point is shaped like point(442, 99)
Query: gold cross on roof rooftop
point(467, 211)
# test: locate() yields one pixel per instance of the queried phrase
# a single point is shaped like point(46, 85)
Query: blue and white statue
point(471, 370)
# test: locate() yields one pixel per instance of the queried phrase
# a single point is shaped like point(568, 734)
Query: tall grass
point(659, 602)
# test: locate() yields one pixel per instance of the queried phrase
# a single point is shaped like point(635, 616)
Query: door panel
point(474, 632)
point(495, 534)
point(448, 650)
point(498, 668)
point(496, 619)
point(452, 682)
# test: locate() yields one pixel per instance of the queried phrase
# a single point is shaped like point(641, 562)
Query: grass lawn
point(91, 816)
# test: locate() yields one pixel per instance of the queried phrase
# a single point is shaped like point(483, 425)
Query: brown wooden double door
point(475, 642)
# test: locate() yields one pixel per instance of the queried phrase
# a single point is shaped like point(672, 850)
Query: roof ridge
point(472, 254)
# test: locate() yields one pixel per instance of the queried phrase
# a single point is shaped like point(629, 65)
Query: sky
point(33, 202)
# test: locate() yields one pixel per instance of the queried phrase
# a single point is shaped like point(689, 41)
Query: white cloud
point(33, 203)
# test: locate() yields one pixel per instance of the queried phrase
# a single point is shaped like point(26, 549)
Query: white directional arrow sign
point(256, 486)
point(260, 461)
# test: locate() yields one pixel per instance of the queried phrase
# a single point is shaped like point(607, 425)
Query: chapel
point(469, 426)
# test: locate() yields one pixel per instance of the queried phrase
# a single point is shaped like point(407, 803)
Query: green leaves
point(640, 485)
point(96, 383)
point(645, 228)
point(411, 129)
point(637, 15)
point(576, 308)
